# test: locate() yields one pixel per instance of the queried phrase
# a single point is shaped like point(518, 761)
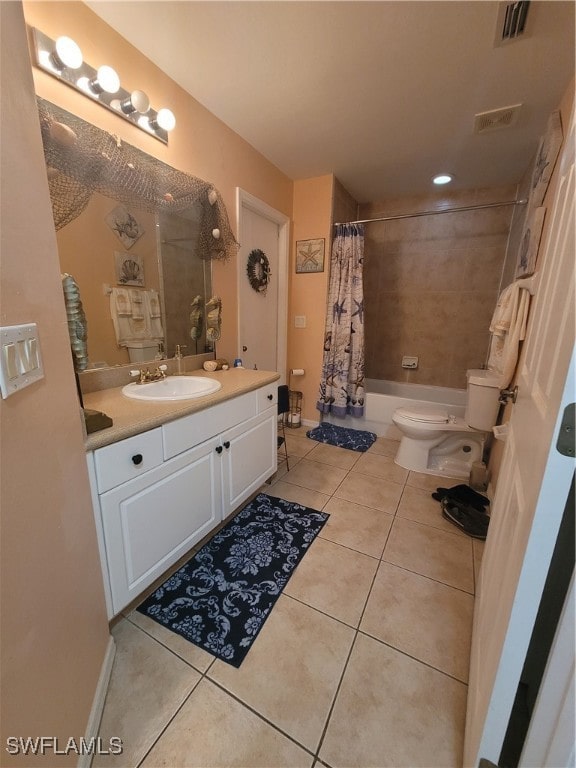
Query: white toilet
point(439, 443)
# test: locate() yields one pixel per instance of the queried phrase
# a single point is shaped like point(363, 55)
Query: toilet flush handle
point(508, 394)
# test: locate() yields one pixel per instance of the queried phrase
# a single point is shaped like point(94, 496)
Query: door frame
point(244, 200)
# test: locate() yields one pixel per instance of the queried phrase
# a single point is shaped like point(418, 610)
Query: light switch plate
point(299, 321)
point(20, 359)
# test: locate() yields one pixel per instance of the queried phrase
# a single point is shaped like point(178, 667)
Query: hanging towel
point(153, 303)
point(136, 304)
point(508, 328)
point(121, 322)
point(122, 299)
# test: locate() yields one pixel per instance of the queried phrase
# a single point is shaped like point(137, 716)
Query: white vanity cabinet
point(158, 493)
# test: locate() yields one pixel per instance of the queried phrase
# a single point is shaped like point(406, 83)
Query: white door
point(262, 315)
point(533, 486)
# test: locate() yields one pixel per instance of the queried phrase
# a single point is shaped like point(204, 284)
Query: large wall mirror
point(137, 236)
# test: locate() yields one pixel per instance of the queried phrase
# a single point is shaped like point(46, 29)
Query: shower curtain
point(342, 383)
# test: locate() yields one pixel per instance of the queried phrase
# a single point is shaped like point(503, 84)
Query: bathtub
point(383, 397)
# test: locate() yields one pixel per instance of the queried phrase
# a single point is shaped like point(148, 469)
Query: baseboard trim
point(84, 761)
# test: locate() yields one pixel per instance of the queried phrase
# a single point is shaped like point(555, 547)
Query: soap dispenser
point(178, 358)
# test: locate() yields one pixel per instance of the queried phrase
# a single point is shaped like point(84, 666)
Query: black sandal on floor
point(468, 519)
point(464, 494)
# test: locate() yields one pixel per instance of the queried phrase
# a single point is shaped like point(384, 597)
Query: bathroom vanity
point(166, 474)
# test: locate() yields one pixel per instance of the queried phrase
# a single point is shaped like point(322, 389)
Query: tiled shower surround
point(431, 284)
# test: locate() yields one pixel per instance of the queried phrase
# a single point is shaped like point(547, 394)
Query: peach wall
point(86, 249)
point(200, 144)
point(308, 292)
point(54, 626)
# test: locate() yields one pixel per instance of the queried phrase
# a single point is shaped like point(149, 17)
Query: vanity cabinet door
point(152, 521)
point(249, 458)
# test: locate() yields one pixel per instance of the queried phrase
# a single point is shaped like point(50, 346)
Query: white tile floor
point(363, 661)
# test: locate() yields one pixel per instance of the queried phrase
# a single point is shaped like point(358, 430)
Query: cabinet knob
point(218, 449)
point(137, 458)
point(270, 397)
point(227, 444)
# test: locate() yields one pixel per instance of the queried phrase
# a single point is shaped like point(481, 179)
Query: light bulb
point(138, 101)
point(108, 79)
point(443, 178)
point(165, 119)
point(67, 53)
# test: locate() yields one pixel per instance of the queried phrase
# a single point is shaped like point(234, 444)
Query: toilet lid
point(431, 415)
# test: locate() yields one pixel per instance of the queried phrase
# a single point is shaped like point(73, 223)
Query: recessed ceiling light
point(443, 178)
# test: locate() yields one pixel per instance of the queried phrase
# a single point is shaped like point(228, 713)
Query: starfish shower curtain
point(342, 383)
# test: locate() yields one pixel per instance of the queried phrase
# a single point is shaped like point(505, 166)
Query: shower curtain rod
point(433, 213)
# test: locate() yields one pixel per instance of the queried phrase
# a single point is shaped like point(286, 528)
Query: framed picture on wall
point(546, 156)
point(310, 255)
point(129, 269)
point(530, 242)
point(124, 226)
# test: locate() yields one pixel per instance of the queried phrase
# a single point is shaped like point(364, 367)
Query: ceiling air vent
point(511, 24)
point(495, 119)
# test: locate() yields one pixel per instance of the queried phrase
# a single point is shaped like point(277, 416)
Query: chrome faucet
point(145, 375)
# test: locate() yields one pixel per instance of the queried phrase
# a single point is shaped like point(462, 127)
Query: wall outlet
point(409, 362)
point(299, 321)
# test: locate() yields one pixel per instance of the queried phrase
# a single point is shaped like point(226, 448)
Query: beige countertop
point(131, 417)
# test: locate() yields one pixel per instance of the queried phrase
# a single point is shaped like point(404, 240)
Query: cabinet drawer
point(185, 433)
point(267, 396)
point(128, 459)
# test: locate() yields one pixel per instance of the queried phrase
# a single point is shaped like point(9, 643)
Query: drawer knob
point(137, 458)
point(227, 444)
point(270, 397)
point(218, 449)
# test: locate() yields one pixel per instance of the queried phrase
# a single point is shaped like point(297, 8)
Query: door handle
point(227, 444)
point(218, 449)
point(244, 349)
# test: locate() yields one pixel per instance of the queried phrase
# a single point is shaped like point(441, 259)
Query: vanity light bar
point(63, 60)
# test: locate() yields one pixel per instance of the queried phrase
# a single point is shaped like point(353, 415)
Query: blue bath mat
point(343, 437)
point(222, 596)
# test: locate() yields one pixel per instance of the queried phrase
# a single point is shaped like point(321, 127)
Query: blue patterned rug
point(220, 599)
point(343, 437)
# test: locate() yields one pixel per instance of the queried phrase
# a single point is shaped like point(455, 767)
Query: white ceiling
point(382, 94)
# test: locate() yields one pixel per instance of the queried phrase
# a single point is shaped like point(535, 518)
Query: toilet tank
point(142, 351)
point(482, 404)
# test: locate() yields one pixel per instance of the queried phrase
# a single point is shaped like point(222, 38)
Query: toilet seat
point(425, 415)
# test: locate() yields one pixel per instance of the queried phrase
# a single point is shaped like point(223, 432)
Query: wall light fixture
point(63, 60)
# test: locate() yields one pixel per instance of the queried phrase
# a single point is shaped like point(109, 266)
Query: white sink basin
point(172, 388)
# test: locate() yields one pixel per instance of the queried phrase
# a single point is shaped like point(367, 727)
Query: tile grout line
point(356, 633)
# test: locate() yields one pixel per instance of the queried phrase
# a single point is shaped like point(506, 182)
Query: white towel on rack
point(508, 328)
point(120, 320)
point(136, 304)
point(153, 300)
point(122, 299)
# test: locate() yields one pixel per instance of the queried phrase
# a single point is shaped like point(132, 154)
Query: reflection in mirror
point(185, 281)
point(138, 237)
point(167, 261)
